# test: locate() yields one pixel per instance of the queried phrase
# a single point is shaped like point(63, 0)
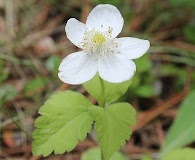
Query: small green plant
point(105, 68)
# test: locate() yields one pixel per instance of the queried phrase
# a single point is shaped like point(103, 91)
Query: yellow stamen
point(99, 38)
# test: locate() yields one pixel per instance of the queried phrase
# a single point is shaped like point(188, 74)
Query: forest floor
point(33, 43)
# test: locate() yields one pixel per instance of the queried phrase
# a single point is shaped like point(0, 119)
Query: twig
point(14, 59)
point(172, 58)
point(10, 16)
point(147, 116)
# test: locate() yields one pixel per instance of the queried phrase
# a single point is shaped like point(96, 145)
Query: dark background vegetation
point(33, 43)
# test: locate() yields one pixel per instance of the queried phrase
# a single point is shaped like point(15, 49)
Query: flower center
point(99, 42)
point(99, 38)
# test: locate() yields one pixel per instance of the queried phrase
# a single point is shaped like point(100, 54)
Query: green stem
point(102, 101)
point(101, 155)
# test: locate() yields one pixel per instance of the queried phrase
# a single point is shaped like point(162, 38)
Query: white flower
point(101, 51)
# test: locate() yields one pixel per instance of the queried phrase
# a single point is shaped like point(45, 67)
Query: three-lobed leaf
point(183, 129)
point(112, 125)
point(65, 119)
point(113, 91)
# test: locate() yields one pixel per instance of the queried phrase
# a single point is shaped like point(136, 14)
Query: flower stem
point(101, 155)
point(102, 101)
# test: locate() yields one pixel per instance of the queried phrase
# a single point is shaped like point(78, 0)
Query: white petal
point(75, 31)
point(132, 48)
point(104, 16)
point(78, 67)
point(116, 68)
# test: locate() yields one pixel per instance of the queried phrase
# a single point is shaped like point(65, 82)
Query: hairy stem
point(102, 101)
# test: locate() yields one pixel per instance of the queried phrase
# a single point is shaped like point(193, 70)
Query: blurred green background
point(33, 43)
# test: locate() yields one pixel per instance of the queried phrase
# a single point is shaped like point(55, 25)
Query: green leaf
point(169, 70)
point(183, 129)
point(183, 3)
point(146, 91)
point(180, 154)
point(116, 3)
point(143, 64)
point(7, 93)
point(189, 33)
point(4, 72)
point(35, 84)
point(53, 63)
point(113, 91)
point(65, 120)
point(95, 154)
point(112, 125)
point(174, 71)
point(146, 157)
